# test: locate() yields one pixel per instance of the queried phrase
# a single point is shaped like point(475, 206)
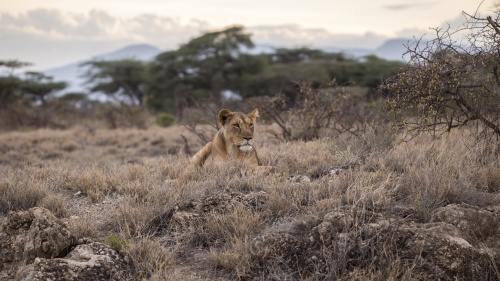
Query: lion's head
point(238, 128)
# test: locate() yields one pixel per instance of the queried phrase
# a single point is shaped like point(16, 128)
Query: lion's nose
point(247, 138)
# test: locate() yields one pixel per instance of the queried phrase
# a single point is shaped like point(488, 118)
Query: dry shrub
point(239, 223)
point(56, 203)
point(150, 260)
point(138, 180)
point(315, 113)
point(288, 199)
point(486, 178)
point(18, 193)
point(434, 173)
point(95, 181)
point(132, 217)
point(229, 235)
point(314, 159)
point(124, 116)
point(236, 258)
point(394, 269)
point(83, 226)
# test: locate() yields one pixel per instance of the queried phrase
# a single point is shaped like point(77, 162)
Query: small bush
point(115, 242)
point(83, 227)
point(150, 259)
point(19, 196)
point(165, 119)
point(57, 204)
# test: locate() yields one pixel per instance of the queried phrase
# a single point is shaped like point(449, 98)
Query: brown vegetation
point(334, 208)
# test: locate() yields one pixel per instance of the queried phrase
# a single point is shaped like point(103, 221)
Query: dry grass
point(113, 181)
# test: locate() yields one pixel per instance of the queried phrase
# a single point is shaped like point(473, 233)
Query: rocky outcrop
point(35, 245)
point(31, 234)
point(91, 261)
point(460, 243)
point(191, 212)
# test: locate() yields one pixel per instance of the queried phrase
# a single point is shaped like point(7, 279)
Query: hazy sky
point(53, 32)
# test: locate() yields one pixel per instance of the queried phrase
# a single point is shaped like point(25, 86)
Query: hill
point(392, 49)
point(72, 73)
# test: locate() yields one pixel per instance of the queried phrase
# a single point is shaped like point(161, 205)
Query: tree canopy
point(32, 85)
point(450, 84)
point(204, 67)
point(123, 79)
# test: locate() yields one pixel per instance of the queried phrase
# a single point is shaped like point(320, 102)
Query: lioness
point(234, 141)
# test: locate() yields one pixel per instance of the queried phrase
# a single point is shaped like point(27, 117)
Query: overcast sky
point(51, 33)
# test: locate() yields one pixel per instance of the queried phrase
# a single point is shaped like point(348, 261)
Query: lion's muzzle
point(246, 146)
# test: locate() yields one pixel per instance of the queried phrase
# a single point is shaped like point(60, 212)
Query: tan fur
point(234, 141)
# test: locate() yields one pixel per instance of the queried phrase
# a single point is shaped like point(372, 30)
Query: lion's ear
point(224, 115)
point(254, 114)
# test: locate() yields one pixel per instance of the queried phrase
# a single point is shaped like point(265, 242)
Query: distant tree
point(39, 87)
point(287, 69)
point(9, 87)
point(447, 83)
point(125, 80)
point(12, 65)
point(21, 95)
point(9, 84)
point(206, 66)
point(286, 55)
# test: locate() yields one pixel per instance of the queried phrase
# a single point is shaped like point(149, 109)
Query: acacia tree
point(124, 79)
point(450, 81)
point(39, 86)
point(9, 84)
point(206, 66)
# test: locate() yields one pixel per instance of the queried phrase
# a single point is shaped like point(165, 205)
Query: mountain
point(72, 73)
point(393, 49)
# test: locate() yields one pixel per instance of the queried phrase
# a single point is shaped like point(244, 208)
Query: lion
point(234, 141)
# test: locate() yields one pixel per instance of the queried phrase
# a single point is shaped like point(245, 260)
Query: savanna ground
point(112, 186)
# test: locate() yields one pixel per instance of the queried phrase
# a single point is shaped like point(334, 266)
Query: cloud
point(162, 31)
point(293, 35)
point(99, 25)
point(58, 25)
point(408, 6)
point(50, 38)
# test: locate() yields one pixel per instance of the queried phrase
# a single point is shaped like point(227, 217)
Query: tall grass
point(104, 182)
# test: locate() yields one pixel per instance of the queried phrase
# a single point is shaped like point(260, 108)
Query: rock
point(35, 245)
point(92, 261)
point(460, 243)
point(337, 170)
point(27, 235)
point(194, 211)
point(479, 226)
point(299, 179)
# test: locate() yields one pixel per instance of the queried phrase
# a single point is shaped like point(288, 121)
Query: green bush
point(115, 242)
point(165, 119)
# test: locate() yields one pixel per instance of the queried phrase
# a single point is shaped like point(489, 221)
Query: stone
point(35, 245)
point(460, 243)
point(27, 235)
point(92, 261)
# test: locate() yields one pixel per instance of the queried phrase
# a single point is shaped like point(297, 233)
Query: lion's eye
point(251, 125)
point(237, 126)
